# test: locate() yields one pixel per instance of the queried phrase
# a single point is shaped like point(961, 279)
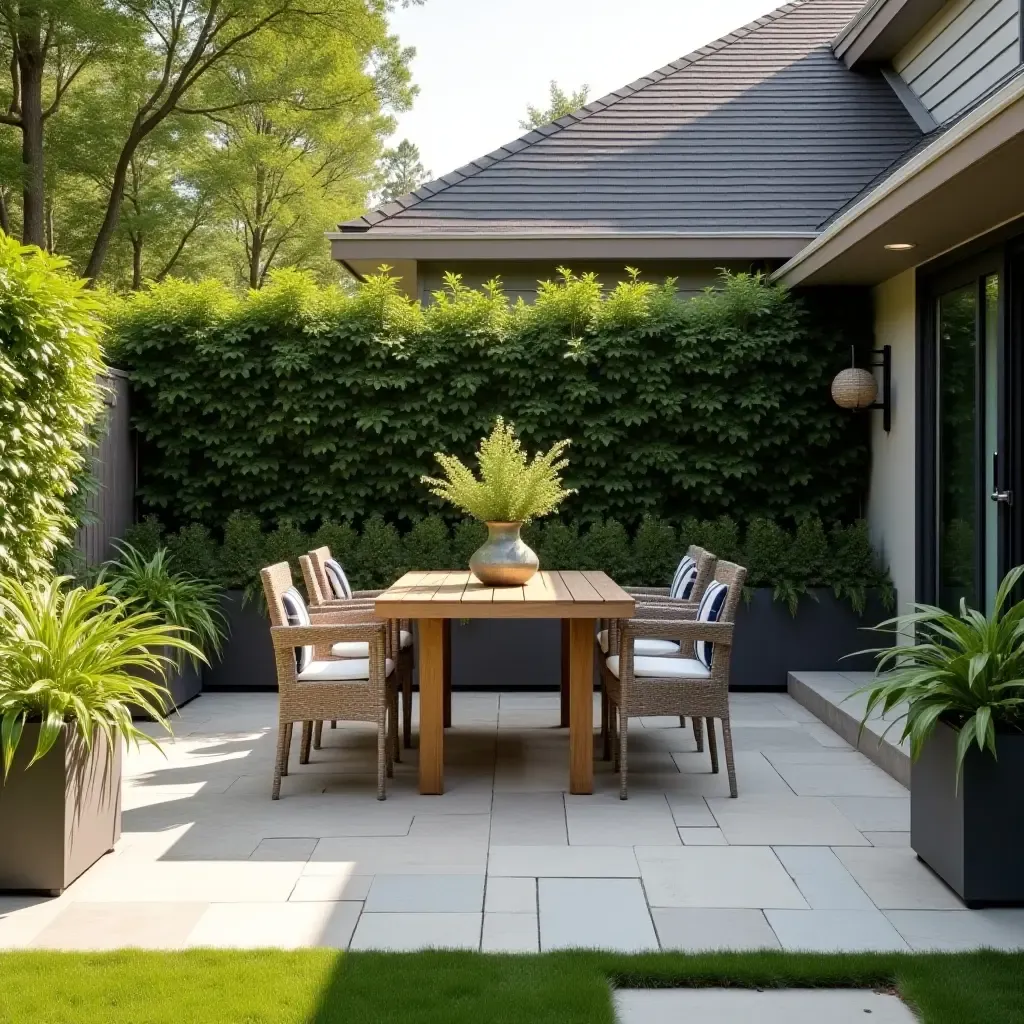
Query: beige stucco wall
point(891, 497)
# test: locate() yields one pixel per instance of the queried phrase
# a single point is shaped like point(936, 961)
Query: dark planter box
point(247, 660)
point(511, 654)
point(770, 643)
point(971, 836)
point(183, 683)
point(60, 816)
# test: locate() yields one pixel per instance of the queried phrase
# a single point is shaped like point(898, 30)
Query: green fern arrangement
point(512, 488)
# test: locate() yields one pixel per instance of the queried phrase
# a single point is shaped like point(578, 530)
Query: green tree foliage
point(50, 359)
point(114, 111)
point(401, 171)
point(560, 103)
point(310, 404)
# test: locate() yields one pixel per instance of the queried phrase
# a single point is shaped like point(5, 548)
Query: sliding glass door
point(968, 466)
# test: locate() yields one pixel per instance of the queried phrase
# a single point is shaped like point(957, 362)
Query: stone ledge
point(831, 697)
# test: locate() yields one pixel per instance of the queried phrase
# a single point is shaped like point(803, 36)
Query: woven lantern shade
point(854, 389)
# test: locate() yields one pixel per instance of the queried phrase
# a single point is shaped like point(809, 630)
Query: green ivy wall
point(310, 405)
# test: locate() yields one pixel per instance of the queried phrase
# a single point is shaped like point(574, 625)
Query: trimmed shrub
point(310, 404)
point(428, 545)
point(50, 360)
point(468, 535)
point(655, 552)
point(378, 556)
point(606, 546)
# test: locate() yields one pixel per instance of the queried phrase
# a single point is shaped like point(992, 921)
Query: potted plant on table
point(150, 584)
point(73, 664)
point(511, 491)
point(960, 683)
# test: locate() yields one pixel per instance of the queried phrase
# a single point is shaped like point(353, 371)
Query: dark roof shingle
point(762, 132)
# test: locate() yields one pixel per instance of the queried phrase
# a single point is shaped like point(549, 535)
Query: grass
point(328, 987)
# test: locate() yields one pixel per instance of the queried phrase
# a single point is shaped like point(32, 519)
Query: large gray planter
point(247, 660)
point(60, 816)
point(971, 835)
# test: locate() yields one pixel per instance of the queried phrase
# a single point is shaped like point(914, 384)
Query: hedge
point(312, 405)
point(50, 359)
point(790, 561)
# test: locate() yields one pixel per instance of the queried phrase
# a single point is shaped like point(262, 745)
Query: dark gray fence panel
point(112, 507)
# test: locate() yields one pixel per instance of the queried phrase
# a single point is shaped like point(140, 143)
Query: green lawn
point(325, 987)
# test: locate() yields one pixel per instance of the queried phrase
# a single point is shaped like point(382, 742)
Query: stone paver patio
point(812, 855)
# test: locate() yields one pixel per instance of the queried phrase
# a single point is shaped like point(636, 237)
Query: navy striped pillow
point(684, 579)
point(710, 610)
point(297, 615)
point(337, 581)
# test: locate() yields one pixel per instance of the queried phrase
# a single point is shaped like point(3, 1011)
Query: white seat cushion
point(361, 649)
point(351, 649)
point(350, 670)
point(650, 647)
point(662, 668)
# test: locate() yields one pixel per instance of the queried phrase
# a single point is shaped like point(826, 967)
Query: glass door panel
point(990, 399)
point(967, 444)
point(957, 447)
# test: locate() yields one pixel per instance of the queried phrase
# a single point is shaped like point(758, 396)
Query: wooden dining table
point(579, 599)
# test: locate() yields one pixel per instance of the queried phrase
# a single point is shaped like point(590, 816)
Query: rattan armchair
point(329, 688)
point(321, 595)
point(695, 683)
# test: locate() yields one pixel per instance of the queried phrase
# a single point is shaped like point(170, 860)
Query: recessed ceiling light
point(900, 246)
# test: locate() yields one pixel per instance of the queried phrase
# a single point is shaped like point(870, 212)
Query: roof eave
point(504, 245)
point(973, 142)
point(881, 29)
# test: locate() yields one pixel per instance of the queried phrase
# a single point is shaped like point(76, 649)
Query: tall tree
point(47, 44)
point(560, 103)
point(402, 171)
point(290, 165)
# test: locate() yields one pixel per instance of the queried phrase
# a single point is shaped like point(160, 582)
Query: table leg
point(432, 671)
point(447, 640)
point(565, 674)
point(581, 705)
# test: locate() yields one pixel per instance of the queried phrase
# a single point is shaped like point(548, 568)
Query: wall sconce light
point(856, 388)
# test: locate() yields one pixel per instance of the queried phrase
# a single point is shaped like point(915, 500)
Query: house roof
point(763, 133)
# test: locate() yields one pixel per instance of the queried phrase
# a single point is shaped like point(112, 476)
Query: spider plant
point(510, 489)
point(150, 584)
point(966, 670)
point(74, 655)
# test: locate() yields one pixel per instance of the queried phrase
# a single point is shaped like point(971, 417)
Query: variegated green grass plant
point(511, 488)
point(965, 670)
point(78, 656)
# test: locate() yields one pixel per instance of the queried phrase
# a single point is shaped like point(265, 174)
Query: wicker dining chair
point(314, 686)
point(326, 579)
point(695, 683)
point(692, 576)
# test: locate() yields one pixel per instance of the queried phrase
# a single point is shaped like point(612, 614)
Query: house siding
point(891, 494)
point(966, 49)
point(519, 279)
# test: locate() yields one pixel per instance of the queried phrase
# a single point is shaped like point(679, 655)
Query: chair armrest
point(366, 593)
point(641, 591)
point(677, 629)
point(334, 609)
point(321, 634)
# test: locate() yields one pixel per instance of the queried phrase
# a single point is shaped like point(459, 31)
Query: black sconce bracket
point(882, 358)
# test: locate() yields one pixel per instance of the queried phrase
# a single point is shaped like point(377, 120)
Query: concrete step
point(833, 697)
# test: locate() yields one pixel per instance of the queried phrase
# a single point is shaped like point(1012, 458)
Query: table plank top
point(547, 595)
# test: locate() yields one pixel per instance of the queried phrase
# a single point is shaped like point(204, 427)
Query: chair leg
point(698, 733)
point(284, 734)
point(623, 770)
point(394, 751)
point(382, 752)
point(318, 733)
point(407, 708)
point(334, 724)
point(682, 721)
point(307, 739)
point(606, 742)
point(730, 765)
point(614, 723)
point(712, 745)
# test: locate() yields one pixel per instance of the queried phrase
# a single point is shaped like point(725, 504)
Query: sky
point(480, 62)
